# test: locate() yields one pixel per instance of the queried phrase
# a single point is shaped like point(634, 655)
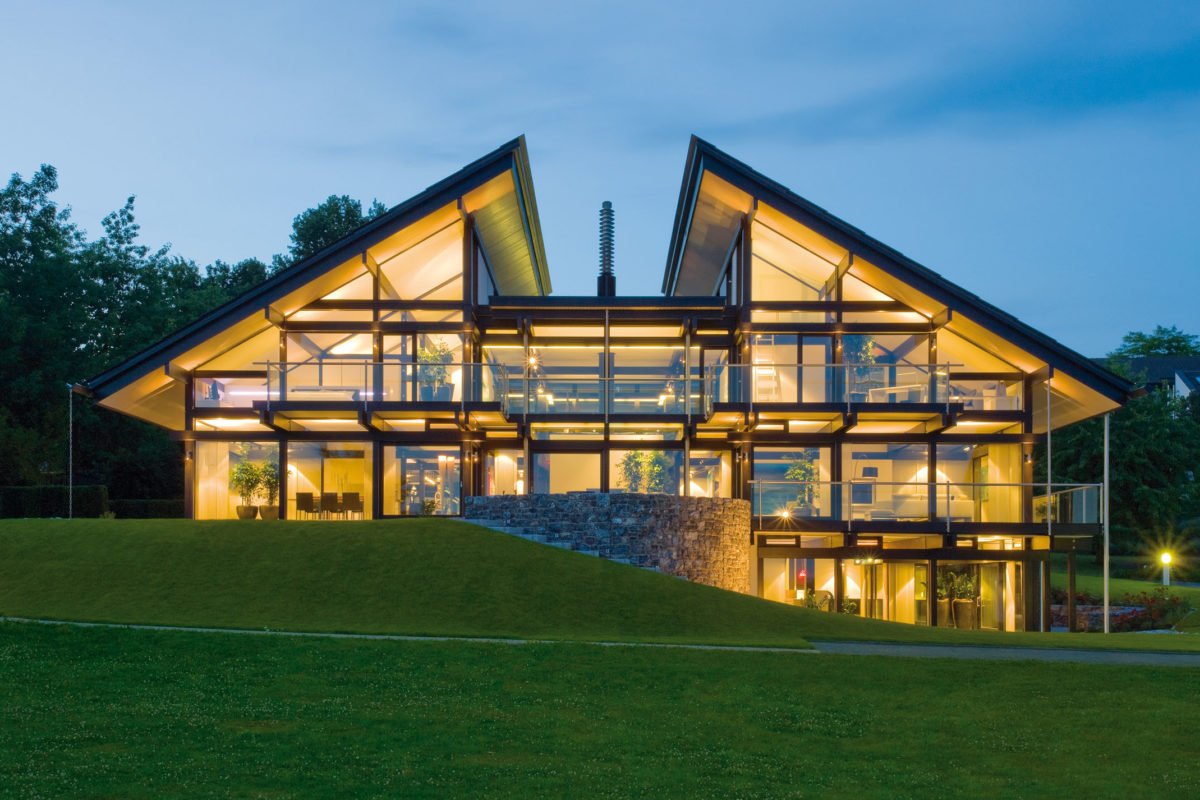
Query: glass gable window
point(230, 474)
point(432, 269)
point(329, 480)
point(422, 481)
point(783, 269)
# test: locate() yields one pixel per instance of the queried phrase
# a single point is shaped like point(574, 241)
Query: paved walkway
point(989, 653)
point(966, 652)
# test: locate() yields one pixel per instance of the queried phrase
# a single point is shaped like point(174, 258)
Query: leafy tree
point(1155, 450)
point(317, 228)
point(1161, 342)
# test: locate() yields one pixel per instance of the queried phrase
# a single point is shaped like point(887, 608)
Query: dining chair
point(305, 504)
point(330, 504)
point(352, 503)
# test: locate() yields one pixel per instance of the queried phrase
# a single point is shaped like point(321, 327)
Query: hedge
point(51, 501)
point(147, 509)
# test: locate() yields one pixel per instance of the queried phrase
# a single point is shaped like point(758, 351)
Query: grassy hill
point(418, 576)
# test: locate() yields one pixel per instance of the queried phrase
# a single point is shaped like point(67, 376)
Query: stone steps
point(562, 542)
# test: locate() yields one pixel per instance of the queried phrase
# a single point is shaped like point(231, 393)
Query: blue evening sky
point(1044, 155)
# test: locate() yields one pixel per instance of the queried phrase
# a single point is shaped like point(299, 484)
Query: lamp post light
point(1165, 560)
point(70, 451)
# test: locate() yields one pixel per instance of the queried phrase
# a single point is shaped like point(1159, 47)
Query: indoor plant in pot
point(245, 479)
point(433, 359)
point(966, 608)
point(946, 588)
point(269, 480)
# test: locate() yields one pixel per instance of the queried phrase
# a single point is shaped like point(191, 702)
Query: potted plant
point(860, 356)
point(245, 479)
point(946, 589)
point(808, 493)
point(269, 480)
point(966, 609)
point(433, 359)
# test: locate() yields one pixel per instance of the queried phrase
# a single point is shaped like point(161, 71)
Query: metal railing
point(615, 396)
point(846, 383)
point(779, 502)
point(364, 381)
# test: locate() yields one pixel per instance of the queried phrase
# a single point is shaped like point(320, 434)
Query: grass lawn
point(94, 712)
point(420, 576)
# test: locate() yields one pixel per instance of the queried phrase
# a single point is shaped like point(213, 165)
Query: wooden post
point(931, 591)
point(839, 585)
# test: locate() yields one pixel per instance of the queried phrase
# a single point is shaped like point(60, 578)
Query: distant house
point(1181, 374)
point(879, 419)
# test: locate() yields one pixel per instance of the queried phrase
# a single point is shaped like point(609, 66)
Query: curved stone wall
point(702, 539)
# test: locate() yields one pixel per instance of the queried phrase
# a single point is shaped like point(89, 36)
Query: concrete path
point(988, 653)
point(967, 652)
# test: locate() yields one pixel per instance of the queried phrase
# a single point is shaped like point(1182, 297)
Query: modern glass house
point(880, 420)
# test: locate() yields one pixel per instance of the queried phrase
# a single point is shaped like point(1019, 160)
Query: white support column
point(1045, 570)
point(1105, 512)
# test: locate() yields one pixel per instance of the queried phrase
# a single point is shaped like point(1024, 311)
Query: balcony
point(780, 505)
point(359, 382)
point(846, 384)
point(617, 396)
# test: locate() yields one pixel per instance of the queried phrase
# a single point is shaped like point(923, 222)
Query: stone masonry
point(702, 539)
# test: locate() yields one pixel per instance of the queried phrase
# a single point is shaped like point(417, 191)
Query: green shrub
point(51, 501)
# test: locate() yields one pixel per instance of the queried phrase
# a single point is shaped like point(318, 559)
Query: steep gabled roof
point(512, 239)
point(687, 257)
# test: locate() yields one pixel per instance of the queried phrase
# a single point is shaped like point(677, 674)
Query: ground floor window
point(505, 472)
point(985, 595)
point(230, 475)
point(557, 473)
point(421, 481)
point(646, 471)
point(329, 480)
point(710, 474)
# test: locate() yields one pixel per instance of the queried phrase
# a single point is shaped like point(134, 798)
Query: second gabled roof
point(704, 230)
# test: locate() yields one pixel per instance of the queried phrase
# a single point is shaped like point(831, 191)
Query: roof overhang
point(496, 191)
point(718, 192)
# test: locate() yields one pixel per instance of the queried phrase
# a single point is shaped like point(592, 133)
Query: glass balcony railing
point(361, 381)
point(621, 395)
point(886, 384)
point(777, 503)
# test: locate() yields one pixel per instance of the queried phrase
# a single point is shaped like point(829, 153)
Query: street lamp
point(1165, 559)
point(70, 451)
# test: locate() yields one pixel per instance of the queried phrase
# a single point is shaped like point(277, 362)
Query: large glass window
point(327, 366)
point(565, 380)
point(557, 473)
point(775, 374)
point(421, 481)
point(646, 471)
point(232, 474)
point(795, 482)
point(887, 481)
point(329, 480)
point(709, 473)
point(978, 482)
point(506, 472)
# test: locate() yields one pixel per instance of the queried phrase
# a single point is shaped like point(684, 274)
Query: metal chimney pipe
point(606, 283)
